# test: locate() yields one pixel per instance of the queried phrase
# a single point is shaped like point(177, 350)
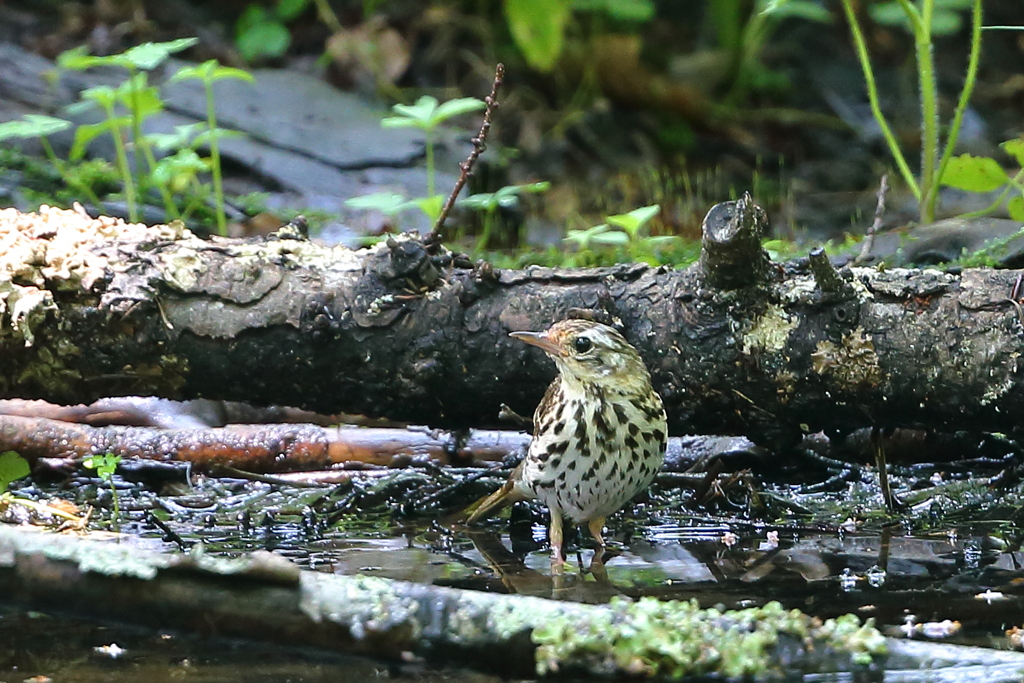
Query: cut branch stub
point(731, 254)
point(828, 279)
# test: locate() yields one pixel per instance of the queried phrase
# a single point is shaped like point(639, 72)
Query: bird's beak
point(539, 339)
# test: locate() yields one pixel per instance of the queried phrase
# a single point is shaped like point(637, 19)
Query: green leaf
point(103, 95)
point(612, 237)
point(945, 23)
point(483, 200)
point(889, 14)
point(182, 136)
point(151, 55)
point(139, 98)
point(419, 113)
point(88, 132)
point(1015, 207)
point(529, 188)
point(105, 465)
point(1014, 148)
point(388, 203)
point(211, 70)
point(12, 468)
point(507, 196)
point(79, 59)
point(631, 11)
point(177, 171)
point(635, 220)
point(456, 107)
point(583, 237)
point(538, 29)
point(264, 39)
point(287, 10)
point(431, 206)
point(218, 134)
point(974, 174)
point(33, 126)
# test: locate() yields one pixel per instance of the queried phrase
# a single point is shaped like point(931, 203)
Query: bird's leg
point(596, 526)
point(555, 538)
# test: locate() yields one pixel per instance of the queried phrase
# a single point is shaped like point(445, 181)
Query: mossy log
point(407, 330)
point(265, 597)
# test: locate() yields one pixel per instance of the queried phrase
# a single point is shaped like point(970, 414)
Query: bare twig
point(479, 145)
point(869, 241)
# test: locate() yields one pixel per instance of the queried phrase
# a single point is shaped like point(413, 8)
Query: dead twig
point(876, 225)
point(479, 145)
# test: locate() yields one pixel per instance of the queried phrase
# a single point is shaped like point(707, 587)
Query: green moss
point(676, 639)
point(852, 364)
point(770, 333)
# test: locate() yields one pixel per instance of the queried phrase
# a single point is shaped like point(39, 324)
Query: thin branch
point(876, 225)
point(479, 145)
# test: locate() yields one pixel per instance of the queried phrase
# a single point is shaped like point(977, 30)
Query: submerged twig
point(479, 145)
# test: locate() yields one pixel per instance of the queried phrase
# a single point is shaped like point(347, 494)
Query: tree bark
point(409, 331)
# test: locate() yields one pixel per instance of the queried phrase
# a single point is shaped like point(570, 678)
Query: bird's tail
point(506, 495)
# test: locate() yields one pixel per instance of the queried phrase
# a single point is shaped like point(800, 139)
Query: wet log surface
point(91, 309)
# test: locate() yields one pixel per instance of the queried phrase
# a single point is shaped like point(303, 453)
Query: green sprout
point(208, 72)
point(39, 126)
point(105, 466)
point(629, 237)
point(923, 21)
point(503, 198)
point(136, 95)
point(427, 115)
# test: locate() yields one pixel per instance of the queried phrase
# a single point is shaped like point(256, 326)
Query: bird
point(599, 432)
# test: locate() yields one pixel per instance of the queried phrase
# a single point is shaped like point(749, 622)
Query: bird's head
point(587, 352)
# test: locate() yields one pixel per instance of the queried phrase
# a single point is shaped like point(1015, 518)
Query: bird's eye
point(582, 344)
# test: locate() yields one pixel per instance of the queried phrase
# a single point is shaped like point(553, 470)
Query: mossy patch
point(675, 639)
point(851, 364)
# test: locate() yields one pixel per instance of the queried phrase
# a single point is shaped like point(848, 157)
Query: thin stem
point(122, 165)
point(430, 162)
point(68, 180)
point(165, 193)
point(876, 109)
point(116, 521)
point(327, 15)
point(218, 184)
point(965, 96)
point(929, 111)
point(1015, 183)
point(136, 126)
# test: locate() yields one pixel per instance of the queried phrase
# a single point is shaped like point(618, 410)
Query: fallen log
point(92, 308)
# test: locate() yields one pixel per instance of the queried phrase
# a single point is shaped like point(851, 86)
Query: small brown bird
point(599, 433)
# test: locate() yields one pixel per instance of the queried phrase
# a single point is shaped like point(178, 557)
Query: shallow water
point(958, 584)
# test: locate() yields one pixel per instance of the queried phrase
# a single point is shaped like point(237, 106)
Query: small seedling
point(208, 72)
point(427, 115)
point(629, 237)
point(12, 468)
point(39, 126)
point(105, 466)
point(504, 198)
point(921, 18)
